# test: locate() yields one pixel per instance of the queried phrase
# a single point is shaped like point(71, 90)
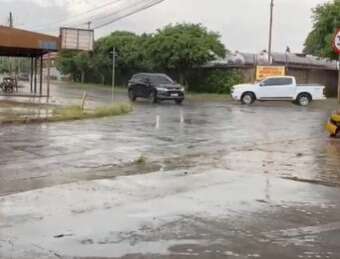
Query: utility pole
point(339, 79)
point(270, 30)
point(10, 20)
point(89, 25)
point(336, 46)
point(113, 71)
point(11, 61)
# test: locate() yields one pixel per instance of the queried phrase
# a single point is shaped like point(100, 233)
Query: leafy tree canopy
point(182, 47)
point(175, 49)
point(326, 19)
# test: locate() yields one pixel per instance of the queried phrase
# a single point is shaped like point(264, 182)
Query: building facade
point(307, 69)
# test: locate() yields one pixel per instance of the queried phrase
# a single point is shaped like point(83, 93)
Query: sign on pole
point(336, 46)
point(336, 42)
point(262, 72)
point(76, 39)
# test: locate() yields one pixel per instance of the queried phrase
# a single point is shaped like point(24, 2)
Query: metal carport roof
point(20, 43)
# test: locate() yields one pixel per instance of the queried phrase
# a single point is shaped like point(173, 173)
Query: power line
point(100, 16)
point(132, 6)
point(117, 14)
point(129, 13)
point(64, 20)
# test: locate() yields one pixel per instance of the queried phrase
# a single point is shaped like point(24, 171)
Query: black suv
point(155, 87)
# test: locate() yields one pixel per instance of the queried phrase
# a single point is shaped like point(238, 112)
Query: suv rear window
point(160, 79)
point(155, 79)
point(138, 77)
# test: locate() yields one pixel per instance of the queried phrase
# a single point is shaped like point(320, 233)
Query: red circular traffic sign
point(336, 42)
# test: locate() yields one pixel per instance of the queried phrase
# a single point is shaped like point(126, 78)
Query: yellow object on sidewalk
point(335, 117)
point(331, 128)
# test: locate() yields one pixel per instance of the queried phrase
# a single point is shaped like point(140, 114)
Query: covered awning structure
point(26, 44)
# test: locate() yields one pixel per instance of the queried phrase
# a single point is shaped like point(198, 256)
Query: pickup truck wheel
point(248, 98)
point(304, 99)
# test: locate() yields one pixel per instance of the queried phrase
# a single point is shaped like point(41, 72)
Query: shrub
point(213, 81)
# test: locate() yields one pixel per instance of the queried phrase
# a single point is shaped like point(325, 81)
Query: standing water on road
point(220, 153)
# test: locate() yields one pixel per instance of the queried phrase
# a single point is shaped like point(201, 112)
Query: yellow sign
point(263, 72)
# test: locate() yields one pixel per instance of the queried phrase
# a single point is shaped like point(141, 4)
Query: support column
point(35, 74)
point(41, 75)
point(48, 73)
point(31, 79)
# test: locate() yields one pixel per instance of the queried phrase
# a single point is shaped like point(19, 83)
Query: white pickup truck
point(281, 88)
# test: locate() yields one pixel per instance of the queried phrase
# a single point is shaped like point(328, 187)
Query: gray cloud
point(243, 24)
point(31, 14)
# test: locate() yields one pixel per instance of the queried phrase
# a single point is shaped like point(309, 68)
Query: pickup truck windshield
point(277, 81)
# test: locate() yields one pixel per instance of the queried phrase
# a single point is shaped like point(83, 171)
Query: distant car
point(155, 87)
point(24, 77)
point(8, 85)
point(282, 88)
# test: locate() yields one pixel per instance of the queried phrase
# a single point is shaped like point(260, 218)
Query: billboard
point(76, 39)
point(263, 72)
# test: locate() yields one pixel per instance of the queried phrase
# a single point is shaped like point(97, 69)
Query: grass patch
point(76, 113)
point(113, 110)
point(141, 160)
point(68, 113)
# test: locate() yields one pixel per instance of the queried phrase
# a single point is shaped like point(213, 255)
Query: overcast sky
point(243, 24)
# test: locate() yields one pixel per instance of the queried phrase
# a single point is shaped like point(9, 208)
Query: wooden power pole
point(270, 30)
point(10, 24)
point(113, 71)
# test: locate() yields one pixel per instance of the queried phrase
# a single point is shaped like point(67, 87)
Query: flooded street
point(217, 180)
point(275, 139)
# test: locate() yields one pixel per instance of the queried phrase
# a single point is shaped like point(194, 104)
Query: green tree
point(326, 19)
point(180, 48)
point(213, 80)
point(131, 56)
point(97, 66)
point(64, 62)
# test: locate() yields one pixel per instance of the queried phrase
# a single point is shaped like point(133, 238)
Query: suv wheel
point(304, 100)
point(132, 96)
point(153, 97)
point(248, 98)
point(179, 101)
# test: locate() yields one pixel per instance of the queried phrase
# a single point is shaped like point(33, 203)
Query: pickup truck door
point(280, 88)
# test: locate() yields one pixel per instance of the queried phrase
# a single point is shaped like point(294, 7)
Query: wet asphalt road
point(276, 139)
point(275, 157)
